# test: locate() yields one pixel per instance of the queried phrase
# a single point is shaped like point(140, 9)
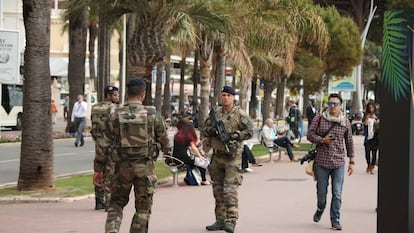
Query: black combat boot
point(217, 226)
point(99, 205)
point(229, 227)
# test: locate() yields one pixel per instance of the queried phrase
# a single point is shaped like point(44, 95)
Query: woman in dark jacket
point(371, 137)
point(184, 139)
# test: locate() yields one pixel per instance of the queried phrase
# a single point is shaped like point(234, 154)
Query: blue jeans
point(285, 142)
point(322, 181)
point(80, 125)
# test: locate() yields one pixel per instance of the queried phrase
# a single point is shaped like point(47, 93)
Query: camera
point(309, 156)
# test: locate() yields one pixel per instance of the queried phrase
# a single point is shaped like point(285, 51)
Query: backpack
point(133, 129)
point(99, 114)
point(193, 176)
point(293, 114)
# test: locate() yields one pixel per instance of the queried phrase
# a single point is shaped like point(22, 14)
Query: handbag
point(203, 163)
point(310, 168)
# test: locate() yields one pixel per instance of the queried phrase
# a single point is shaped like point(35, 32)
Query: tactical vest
point(231, 123)
point(99, 114)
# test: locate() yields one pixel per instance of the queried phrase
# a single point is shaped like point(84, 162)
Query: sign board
point(337, 84)
point(9, 57)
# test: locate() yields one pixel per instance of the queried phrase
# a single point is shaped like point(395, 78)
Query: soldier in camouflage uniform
point(103, 165)
point(225, 167)
point(136, 132)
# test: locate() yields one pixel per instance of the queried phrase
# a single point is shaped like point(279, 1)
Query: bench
point(275, 148)
point(176, 167)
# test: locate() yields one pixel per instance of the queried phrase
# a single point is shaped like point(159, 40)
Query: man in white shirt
point(78, 119)
point(270, 136)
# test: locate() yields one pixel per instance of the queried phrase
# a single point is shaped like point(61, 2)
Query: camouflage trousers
point(103, 193)
point(140, 174)
point(225, 172)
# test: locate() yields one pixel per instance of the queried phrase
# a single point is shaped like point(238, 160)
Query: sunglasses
point(334, 104)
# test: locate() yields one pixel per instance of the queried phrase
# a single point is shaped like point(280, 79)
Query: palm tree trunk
point(196, 81)
point(253, 99)
point(280, 97)
point(158, 87)
point(182, 74)
point(104, 58)
point(269, 86)
point(305, 103)
point(220, 71)
point(144, 51)
point(92, 37)
point(244, 86)
point(77, 53)
point(205, 91)
point(206, 49)
point(36, 156)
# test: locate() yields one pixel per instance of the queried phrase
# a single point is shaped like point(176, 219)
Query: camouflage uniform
point(225, 167)
point(102, 162)
point(136, 133)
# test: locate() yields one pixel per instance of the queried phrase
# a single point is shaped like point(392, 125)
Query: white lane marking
point(56, 155)
point(10, 160)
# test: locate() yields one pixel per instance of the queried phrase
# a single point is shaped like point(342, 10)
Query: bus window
point(11, 108)
point(5, 98)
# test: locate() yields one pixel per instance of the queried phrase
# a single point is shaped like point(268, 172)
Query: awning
point(59, 66)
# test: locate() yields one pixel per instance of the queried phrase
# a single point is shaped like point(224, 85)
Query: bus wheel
point(18, 122)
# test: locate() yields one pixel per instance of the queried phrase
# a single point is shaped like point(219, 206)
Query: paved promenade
point(277, 197)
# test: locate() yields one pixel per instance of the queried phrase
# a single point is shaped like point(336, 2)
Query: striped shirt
point(331, 156)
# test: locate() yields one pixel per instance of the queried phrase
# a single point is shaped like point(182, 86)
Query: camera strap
point(333, 124)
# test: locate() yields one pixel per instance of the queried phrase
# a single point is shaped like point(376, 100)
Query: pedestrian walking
point(65, 108)
point(330, 158)
point(136, 133)
point(311, 112)
point(103, 164)
point(371, 140)
point(53, 110)
point(78, 118)
point(225, 168)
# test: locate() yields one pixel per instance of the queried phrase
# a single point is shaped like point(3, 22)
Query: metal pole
point(358, 69)
point(123, 62)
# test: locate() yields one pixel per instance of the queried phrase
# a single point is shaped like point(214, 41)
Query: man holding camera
point(330, 158)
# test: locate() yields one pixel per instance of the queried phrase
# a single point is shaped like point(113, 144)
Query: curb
point(162, 183)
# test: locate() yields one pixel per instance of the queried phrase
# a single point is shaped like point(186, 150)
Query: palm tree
point(36, 157)
point(147, 36)
point(279, 28)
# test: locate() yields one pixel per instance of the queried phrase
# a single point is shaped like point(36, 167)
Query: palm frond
point(395, 72)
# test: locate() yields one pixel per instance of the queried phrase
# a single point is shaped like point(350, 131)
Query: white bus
point(11, 110)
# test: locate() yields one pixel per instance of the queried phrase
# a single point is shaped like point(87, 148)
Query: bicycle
point(294, 135)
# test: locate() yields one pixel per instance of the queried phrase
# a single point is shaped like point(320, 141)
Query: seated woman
point(186, 138)
point(270, 137)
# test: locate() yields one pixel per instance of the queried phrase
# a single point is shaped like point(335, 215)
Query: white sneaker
point(247, 170)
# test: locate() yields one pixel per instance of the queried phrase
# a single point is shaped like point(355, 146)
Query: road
point(67, 159)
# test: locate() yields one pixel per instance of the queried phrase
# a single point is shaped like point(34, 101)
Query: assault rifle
point(221, 131)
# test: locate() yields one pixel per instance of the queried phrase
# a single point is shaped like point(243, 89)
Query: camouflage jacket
point(99, 114)
point(236, 121)
point(135, 130)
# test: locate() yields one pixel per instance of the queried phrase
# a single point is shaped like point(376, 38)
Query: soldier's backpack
point(99, 114)
point(133, 126)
